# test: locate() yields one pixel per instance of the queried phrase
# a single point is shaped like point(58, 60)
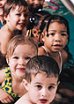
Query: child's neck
point(9, 28)
point(54, 54)
point(18, 90)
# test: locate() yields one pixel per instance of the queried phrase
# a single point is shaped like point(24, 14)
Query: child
point(19, 51)
point(41, 81)
point(15, 16)
point(55, 38)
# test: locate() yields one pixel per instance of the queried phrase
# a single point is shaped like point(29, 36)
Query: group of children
point(32, 72)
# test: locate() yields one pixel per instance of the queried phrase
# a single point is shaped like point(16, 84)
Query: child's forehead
point(20, 8)
point(44, 78)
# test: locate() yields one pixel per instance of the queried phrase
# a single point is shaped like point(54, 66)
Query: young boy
point(41, 81)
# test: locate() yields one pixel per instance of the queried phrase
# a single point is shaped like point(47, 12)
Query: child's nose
point(57, 37)
point(22, 61)
point(22, 17)
point(44, 92)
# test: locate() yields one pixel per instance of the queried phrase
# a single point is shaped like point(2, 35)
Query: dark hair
point(41, 63)
point(55, 18)
point(34, 19)
point(12, 4)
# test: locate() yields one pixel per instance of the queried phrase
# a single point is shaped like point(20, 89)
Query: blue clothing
point(1, 25)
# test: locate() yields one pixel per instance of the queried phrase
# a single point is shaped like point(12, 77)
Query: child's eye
point(25, 15)
point(51, 87)
point(15, 57)
point(18, 14)
point(50, 34)
point(63, 34)
point(39, 87)
point(27, 58)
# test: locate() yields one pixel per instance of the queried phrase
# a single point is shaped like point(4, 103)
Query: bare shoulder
point(2, 75)
point(64, 55)
point(41, 51)
point(23, 100)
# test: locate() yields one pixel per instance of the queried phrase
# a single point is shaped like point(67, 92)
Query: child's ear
point(25, 83)
point(5, 17)
point(44, 33)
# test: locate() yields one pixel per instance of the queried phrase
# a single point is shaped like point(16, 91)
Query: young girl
point(19, 51)
point(55, 38)
point(41, 81)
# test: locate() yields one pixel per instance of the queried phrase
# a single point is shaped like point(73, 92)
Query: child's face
point(17, 18)
point(2, 3)
point(21, 55)
point(57, 37)
point(42, 89)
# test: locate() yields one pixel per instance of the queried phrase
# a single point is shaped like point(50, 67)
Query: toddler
point(55, 38)
point(41, 81)
point(19, 51)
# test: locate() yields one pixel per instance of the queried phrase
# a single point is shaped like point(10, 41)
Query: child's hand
point(5, 97)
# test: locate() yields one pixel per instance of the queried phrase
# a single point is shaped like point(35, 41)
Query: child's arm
point(4, 96)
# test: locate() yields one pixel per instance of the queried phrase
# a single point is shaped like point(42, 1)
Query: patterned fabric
point(7, 85)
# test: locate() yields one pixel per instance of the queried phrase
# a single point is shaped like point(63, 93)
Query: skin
point(14, 20)
point(17, 19)
point(19, 59)
point(41, 89)
point(2, 3)
point(17, 63)
point(56, 40)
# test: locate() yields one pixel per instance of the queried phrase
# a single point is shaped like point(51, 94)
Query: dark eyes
point(39, 87)
point(51, 87)
point(64, 34)
point(15, 57)
point(27, 58)
point(19, 14)
point(52, 34)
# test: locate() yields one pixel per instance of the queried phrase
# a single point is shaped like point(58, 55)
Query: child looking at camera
point(55, 38)
point(19, 52)
point(41, 81)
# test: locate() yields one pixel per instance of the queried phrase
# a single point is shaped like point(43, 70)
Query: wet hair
point(20, 40)
point(54, 18)
point(39, 64)
point(11, 4)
